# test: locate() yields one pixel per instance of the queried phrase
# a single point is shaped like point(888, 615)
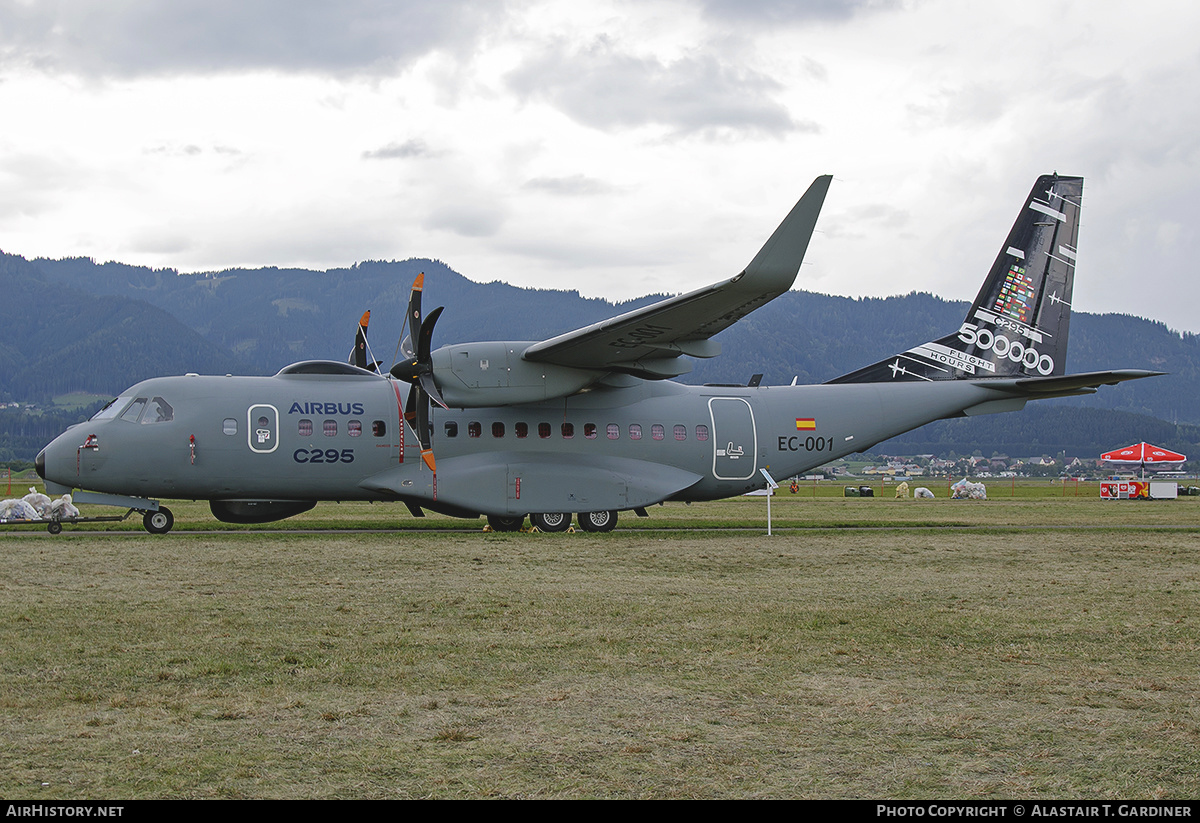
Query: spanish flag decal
point(806, 424)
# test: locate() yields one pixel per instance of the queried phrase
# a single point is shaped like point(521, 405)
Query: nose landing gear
point(159, 522)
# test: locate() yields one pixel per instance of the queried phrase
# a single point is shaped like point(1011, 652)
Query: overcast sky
point(616, 148)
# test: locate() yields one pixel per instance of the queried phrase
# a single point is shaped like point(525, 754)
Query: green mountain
point(74, 324)
point(57, 338)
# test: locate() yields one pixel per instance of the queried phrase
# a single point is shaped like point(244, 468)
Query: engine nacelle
point(471, 375)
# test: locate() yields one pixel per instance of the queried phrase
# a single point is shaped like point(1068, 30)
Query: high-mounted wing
point(648, 342)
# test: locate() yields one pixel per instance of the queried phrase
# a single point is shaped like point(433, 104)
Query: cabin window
point(521, 429)
point(543, 430)
point(229, 425)
point(613, 431)
point(568, 430)
point(354, 428)
point(159, 411)
point(497, 429)
point(656, 431)
point(681, 432)
point(589, 431)
point(635, 431)
point(135, 410)
point(329, 428)
point(702, 432)
point(474, 429)
point(378, 428)
point(451, 428)
point(303, 428)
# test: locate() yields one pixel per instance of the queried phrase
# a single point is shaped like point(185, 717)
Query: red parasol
point(1143, 454)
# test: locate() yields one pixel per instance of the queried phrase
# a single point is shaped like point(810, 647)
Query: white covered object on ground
point(17, 510)
point(39, 501)
point(63, 507)
point(966, 490)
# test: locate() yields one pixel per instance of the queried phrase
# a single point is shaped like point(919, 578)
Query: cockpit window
point(159, 411)
point(111, 409)
point(135, 410)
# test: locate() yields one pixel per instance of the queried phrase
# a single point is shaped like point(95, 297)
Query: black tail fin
point(1017, 326)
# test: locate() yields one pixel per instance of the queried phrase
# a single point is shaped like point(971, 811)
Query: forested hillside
point(1046, 428)
point(57, 338)
point(74, 325)
point(271, 317)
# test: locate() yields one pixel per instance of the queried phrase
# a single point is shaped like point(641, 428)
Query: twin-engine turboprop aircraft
point(587, 423)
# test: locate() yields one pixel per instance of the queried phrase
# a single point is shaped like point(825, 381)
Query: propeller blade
point(414, 304)
point(359, 356)
point(429, 387)
point(425, 335)
point(417, 369)
point(423, 420)
point(410, 406)
point(416, 412)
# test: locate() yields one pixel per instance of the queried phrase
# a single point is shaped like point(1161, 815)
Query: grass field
point(1039, 646)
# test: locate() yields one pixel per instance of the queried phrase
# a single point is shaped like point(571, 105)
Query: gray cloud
point(33, 183)
point(607, 89)
point(189, 150)
point(398, 151)
point(790, 11)
point(575, 185)
point(466, 218)
point(879, 213)
point(862, 221)
point(972, 104)
point(140, 37)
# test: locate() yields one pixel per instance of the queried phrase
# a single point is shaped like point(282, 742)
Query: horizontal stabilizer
point(1068, 384)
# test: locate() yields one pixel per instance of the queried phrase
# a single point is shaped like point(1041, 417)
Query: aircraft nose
point(39, 463)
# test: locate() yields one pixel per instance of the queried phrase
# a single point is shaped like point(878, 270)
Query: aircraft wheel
point(598, 521)
point(505, 524)
point(551, 521)
point(159, 522)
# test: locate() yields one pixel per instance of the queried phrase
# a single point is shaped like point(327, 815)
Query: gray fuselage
point(612, 447)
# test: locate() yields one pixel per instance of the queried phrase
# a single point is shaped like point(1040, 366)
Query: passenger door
point(734, 438)
point(262, 428)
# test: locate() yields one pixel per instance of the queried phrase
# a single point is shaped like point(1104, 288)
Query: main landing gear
point(505, 524)
point(598, 521)
point(552, 521)
point(602, 521)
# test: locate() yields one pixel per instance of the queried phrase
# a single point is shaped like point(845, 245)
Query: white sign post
point(770, 492)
